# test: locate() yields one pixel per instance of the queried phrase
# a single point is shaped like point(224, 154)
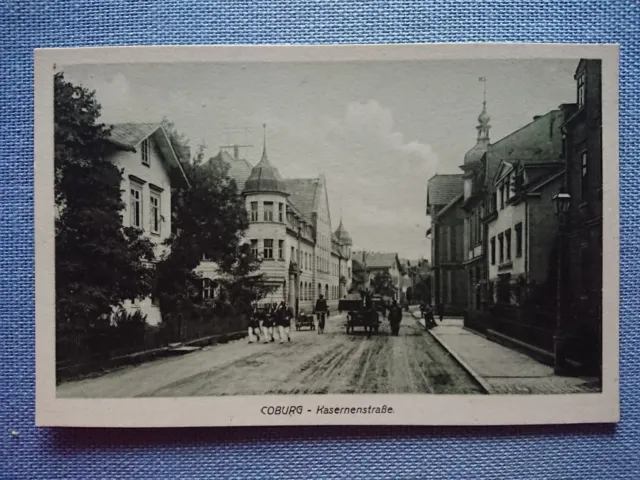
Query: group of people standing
point(273, 320)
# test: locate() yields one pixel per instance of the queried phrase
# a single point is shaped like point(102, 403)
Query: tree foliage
point(209, 220)
point(99, 264)
point(382, 284)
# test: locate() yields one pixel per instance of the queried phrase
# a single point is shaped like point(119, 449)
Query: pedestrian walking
point(267, 324)
point(254, 325)
point(321, 312)
point(395, 317)
point(283, 322)
point(441, 311)
point(427, 314)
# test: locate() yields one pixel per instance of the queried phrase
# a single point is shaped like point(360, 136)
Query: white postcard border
point(407, 409)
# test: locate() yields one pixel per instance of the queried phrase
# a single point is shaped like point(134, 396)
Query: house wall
point(585, 280)
point(450, 285)
point(542, 231)
point(155, 174)
point(322, 222)
point(146, 177)
point(507, 219)
point(276, 269)
point(334, 285)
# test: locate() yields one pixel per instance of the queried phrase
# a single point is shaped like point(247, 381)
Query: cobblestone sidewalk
point(502, 370)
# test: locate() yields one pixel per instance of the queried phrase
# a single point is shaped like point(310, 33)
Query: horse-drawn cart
point(359, 316)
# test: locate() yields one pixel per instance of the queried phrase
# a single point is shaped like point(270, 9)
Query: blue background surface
point(581, 452)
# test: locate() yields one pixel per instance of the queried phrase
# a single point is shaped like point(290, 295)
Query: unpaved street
point(334, 362)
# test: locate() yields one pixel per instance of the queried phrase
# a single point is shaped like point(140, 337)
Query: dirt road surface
point(334, 362)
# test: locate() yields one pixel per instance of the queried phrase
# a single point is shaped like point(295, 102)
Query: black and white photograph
point(310, 235)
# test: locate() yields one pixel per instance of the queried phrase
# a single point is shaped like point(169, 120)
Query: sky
point(377, 130)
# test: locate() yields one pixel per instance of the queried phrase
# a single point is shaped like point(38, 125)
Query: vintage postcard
point(297, 235)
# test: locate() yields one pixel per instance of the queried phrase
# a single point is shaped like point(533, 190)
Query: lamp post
point(561, 202)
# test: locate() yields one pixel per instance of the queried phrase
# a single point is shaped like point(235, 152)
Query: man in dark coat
point(283, 322)
point(395, 317)
point(267, 324)
point(321, 311)
point(254, 325)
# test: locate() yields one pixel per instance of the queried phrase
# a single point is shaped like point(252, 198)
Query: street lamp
point(561, 202)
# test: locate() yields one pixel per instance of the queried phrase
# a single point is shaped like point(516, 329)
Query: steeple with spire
point(264, 176)
point(483, 127)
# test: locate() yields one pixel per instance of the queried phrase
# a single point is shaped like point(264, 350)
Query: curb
point(479, 380)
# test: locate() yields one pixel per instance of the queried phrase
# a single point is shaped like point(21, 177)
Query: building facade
point(476, 173)
point(583, 140)
point(521, 233)
point(290, 231)
point(444, 206)
point(150, 167)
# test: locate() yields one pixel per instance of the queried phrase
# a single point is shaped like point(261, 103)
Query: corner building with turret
point(290, 230)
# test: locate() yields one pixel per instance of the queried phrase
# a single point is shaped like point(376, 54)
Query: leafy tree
point(209, 220)
point(99, 264)
point(382, 284)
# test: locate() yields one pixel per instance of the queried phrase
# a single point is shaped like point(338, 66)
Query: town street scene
point(328, 228)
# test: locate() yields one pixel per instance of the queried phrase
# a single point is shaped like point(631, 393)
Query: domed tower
point(483, 127)
point(265, 178)
point(344, 238)
point(265, 194)
point(474, 155)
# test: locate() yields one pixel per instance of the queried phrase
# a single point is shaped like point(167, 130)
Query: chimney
point(536, 117)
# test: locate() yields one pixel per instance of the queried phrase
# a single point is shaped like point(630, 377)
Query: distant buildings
point(416, 280)
point(368, 264)
point(150, 168)
point(444, 206)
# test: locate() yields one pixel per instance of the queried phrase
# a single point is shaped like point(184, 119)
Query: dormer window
point(145, 151)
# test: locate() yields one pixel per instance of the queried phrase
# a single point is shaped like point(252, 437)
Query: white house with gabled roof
point(150, 168)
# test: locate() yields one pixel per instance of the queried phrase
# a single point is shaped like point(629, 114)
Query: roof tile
point(129, 135)
point(302, 194)
point(442, 189)
point(239, 168)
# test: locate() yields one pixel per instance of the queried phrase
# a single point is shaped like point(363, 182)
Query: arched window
point(326, 290)
point(284, 289)
point(301, 292)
